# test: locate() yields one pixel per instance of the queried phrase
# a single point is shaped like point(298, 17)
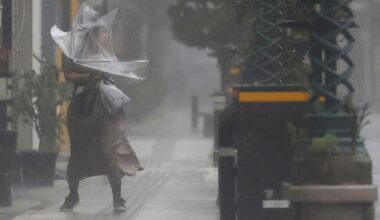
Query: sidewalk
point(178, 183)
point(32, 199)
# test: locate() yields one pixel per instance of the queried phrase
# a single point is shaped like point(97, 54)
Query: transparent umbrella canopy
point(90, 44)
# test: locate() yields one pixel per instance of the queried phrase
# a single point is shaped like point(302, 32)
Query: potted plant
point(7, 151)
point(36, 98)
point(335, 156)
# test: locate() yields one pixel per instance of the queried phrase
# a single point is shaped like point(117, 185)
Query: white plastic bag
point(113, 99)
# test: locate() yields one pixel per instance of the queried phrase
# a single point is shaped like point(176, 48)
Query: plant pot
point(333, 170)
point(7, 150)
point(38, 168)
point(5, 190)
point(7, 153)
point(335, 187)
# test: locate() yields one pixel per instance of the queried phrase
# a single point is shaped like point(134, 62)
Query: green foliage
point(210, 24)
point(360, 117)
point(294, 135)
point(36, 97)
point(323, 146)
point(297, 69)
point(227, 29)
point(320, 147)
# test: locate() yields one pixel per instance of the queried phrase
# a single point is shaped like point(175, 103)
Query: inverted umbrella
point(90, 44)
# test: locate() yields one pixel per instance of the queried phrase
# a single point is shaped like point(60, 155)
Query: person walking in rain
point(96, 118)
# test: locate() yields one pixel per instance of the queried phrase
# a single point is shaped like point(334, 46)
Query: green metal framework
point(331, 43)
point(264, 65)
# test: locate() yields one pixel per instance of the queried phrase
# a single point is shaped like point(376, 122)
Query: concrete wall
point(366, 52)
point(37, 34)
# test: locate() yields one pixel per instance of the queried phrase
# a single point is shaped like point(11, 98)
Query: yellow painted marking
point(273, 96)
point(234, 71)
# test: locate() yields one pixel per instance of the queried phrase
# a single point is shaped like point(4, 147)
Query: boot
point(70, 202)
point(72, 199)
point(118, 202)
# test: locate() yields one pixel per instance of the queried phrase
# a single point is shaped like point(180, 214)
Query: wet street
point(178, 183)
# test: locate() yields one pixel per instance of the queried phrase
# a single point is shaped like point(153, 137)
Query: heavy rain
point(188, 109)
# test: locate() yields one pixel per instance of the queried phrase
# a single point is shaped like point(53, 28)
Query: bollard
point(227, 174)
point(226, 164)
point(7, 150)
point(194, 112)
point(220, 102)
